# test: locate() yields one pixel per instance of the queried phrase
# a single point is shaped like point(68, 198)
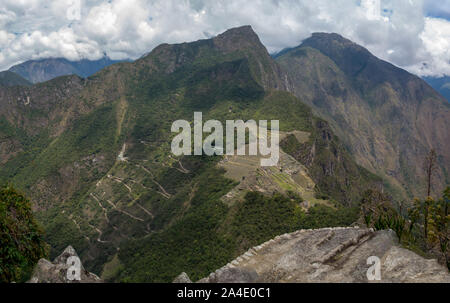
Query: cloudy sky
point(413, 34)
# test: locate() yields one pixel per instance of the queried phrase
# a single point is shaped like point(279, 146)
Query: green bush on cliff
point(20, 237)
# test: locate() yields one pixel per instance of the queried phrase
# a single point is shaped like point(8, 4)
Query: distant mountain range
point(441, 84)
point(36, 71)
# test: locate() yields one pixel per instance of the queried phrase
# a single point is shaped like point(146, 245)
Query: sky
point(412, 34)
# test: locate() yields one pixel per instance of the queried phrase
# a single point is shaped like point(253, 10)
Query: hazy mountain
point(441, 84)
point(43, 70)
point(8, 78)
point(388, 118)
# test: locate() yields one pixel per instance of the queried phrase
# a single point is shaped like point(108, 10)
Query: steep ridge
point(241, 42)
point(388, 118)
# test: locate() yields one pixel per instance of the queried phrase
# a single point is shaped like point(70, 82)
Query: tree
point(420, 215)
point(439, 231)
point(21, 239)
point(378, 212)
point(430, 168)
point(433, 216)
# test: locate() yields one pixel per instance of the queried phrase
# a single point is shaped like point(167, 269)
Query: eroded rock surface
point(330, 255)
point(56, 271)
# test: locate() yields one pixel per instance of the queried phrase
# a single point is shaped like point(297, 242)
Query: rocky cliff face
point(56, 271)
point(329, 255)
point(388, 118)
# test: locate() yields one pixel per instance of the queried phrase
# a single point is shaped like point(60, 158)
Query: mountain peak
point(385, 114)
point(354, 59)
point(330, 36)
point(238, 38)
point(239, 42)
point(245, 30)
point(327, 42)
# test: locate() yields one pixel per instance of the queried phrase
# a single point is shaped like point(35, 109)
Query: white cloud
point(436, 39)
point(401, 34)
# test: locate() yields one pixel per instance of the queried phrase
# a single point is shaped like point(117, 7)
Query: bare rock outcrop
point(182, 278)
point(57, 271)
point(330, 255)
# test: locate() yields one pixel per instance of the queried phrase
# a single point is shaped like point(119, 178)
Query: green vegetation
point(92, 134)
point(431, 218)
point(192, 243)
point(260, 218)
point(210, 234)
point(20, 237)
point(378, 212)
point(424, 228)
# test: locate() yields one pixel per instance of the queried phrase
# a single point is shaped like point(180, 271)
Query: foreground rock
point(330, 255)
point(56, 271)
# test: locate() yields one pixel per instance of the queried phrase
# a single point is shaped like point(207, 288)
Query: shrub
point(20, 237)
